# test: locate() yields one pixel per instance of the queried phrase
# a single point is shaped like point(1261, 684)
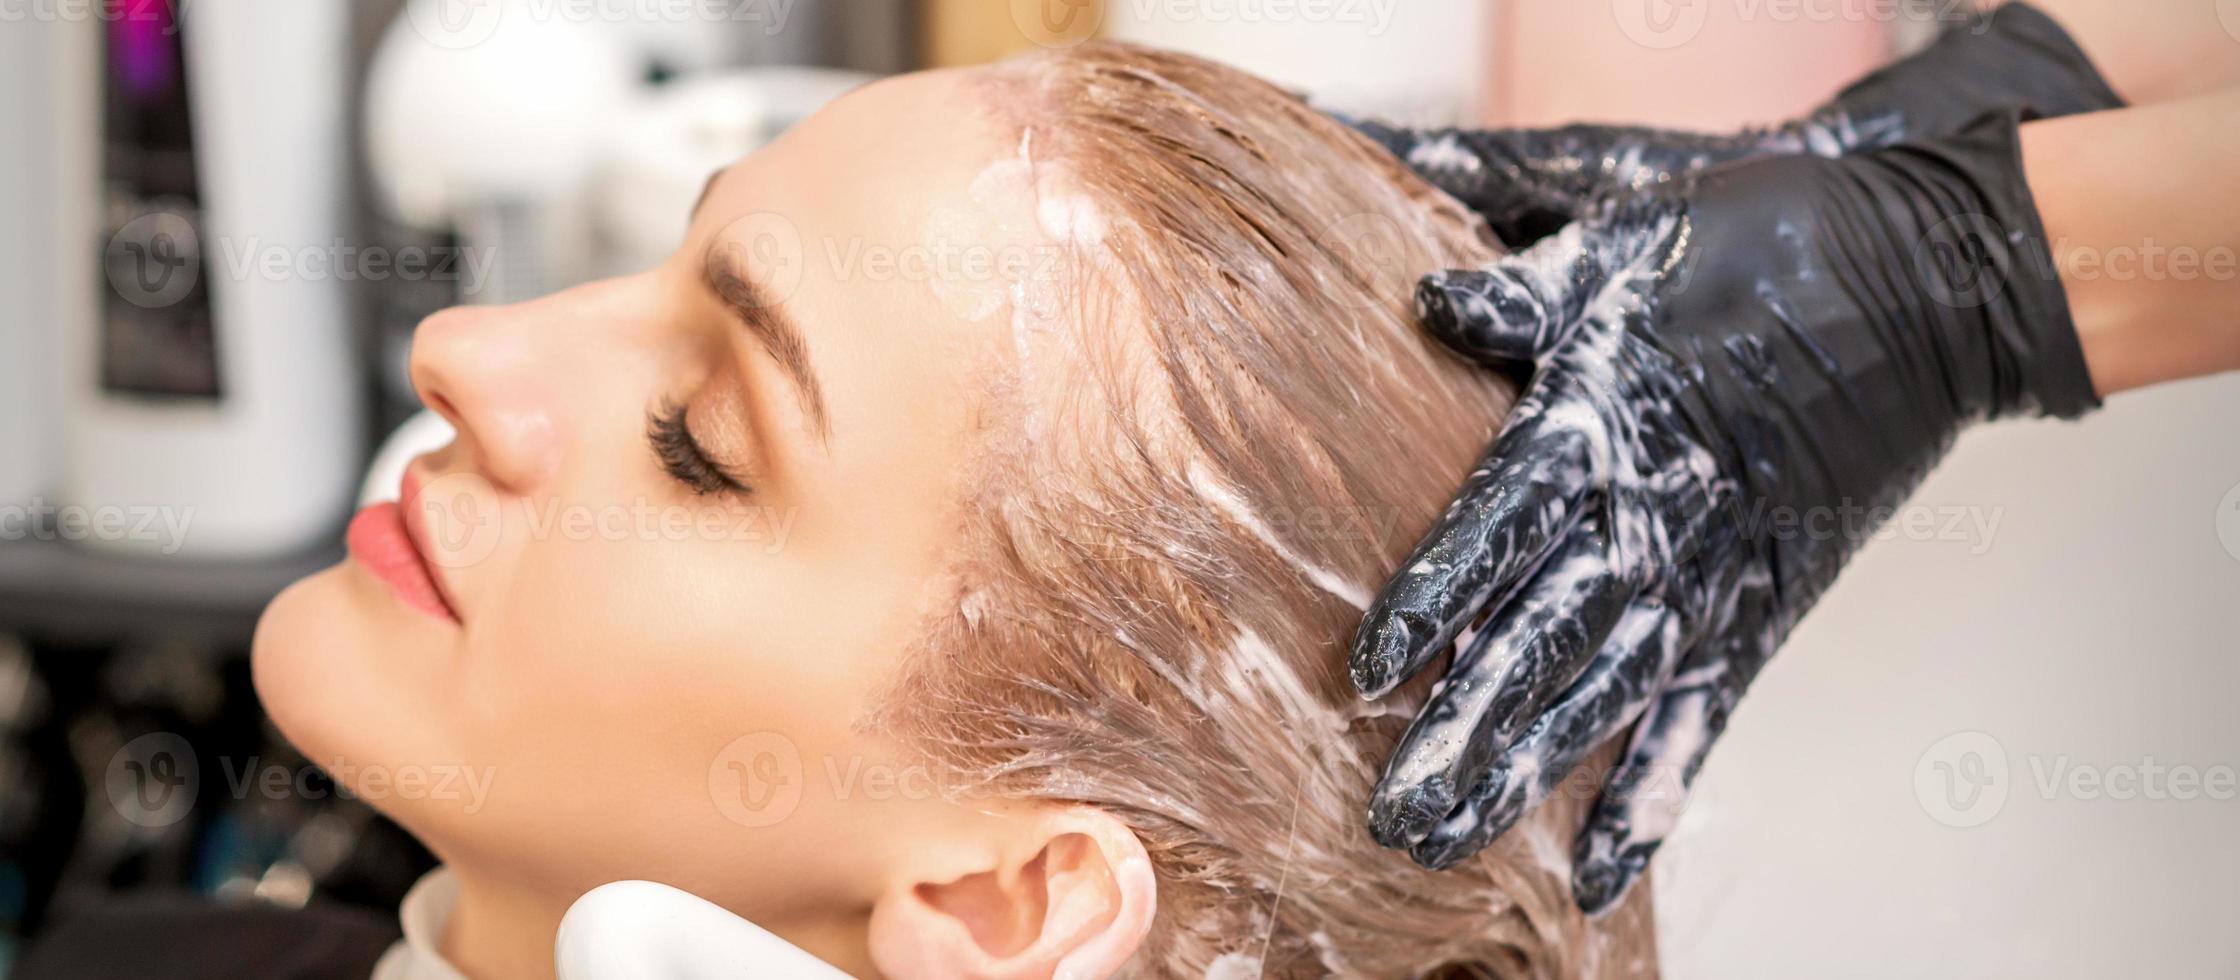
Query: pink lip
point(383, 539)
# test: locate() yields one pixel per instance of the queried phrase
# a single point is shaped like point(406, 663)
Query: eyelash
point(684, 459)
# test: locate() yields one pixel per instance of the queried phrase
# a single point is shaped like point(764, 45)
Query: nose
point(480, 368)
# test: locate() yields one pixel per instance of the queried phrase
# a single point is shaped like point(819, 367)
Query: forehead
point(915, 131)
point(905, 191)
point(899, 229)
point(914, 202)
point(873, 165)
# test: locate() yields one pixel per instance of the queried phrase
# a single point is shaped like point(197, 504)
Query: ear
point(1069, 896)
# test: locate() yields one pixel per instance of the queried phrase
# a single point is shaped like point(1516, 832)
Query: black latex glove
point(1728, 380)
point(1529, 182)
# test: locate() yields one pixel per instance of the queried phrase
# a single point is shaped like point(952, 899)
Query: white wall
point(2101, 622)
point(1411, 60)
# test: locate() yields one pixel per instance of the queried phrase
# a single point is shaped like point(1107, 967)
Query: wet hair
point(1230, 440)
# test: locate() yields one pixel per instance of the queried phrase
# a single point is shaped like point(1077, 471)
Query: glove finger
point(1491, 316)
point(1647, 792)
point(1529, 652)
point(1528, 304)
point(1518, 310)
point(1512, 509)
point(1617, 686)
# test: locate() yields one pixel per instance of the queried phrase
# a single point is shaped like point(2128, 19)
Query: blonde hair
point(1163, 567)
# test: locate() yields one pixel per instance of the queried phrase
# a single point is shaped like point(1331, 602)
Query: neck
point(500, 930)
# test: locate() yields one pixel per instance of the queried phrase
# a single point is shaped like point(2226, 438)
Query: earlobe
point(1071, 898)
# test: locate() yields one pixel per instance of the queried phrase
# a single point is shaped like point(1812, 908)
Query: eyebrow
point(757, 311)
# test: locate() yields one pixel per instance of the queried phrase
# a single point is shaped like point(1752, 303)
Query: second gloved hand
point(1529, 182)
point(1732, 383)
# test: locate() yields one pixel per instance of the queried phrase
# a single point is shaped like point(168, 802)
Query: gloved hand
point(1732, 383)
point(1529, 182)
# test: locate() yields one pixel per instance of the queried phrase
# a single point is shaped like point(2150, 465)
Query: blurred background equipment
point(657, 161)
point(494, 142)
point(30, 289)
point(214, 376)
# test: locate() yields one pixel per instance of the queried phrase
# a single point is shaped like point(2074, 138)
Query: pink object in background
point(1695, 64)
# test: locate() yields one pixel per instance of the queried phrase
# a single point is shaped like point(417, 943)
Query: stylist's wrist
point(2135, 207)
point(2133, 338)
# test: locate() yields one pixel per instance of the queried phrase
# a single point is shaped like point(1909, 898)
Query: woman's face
point(660, 650)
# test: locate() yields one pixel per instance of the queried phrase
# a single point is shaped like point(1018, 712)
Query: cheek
point(621, 672)
point(628, 611)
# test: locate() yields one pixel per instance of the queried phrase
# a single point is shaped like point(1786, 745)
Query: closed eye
point(685, 460)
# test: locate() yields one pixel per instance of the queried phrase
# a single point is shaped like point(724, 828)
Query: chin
point(296, 662)
point(344, 673)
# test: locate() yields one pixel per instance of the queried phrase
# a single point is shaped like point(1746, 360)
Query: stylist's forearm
point(2155, 50)
point(2143, 219)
